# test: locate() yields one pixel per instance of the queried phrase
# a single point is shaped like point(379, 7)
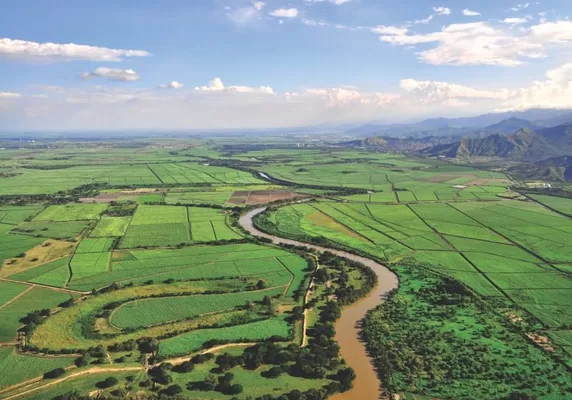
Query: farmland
point(104, 253)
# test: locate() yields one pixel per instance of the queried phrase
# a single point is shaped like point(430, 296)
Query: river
point(366, 384)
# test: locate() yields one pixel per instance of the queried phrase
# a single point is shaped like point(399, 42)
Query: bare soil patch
point(44, 253)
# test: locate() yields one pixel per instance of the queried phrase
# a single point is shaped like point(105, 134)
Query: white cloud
point(112, 74)
point(172, 85)
point(9, 95)
point(33, 51)
point(554, 92)
point(442, 10)
point(514, 21)
point(470, 13)
point(336, 2)
point(217, 106)
point(441, 91)
point(243, 16)
point(389, 30)
point(285, 13)
point(479, 43)
point(216, 85)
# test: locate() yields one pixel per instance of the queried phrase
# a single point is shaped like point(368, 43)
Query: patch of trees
point(434, 337)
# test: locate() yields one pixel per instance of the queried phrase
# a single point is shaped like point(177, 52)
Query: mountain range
point(482, 125)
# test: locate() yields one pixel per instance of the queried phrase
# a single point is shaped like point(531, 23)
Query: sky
point(251, 64)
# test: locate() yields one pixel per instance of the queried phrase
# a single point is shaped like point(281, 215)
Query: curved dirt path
point(366, 384)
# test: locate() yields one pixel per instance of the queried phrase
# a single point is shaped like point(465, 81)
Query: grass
point(156, 311)
point(110, 226)
point(255, 331)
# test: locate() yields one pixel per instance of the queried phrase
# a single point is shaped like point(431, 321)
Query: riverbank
point(348, 330)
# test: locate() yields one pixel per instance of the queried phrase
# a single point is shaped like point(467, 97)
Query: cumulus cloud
point(217, 106)
point(216, 85)
point(554, 92)
point(440, 91)
point(480, 43)
point(112, 74)
point(442, 10)
point(172, 85)
point(514, 21)
point(246, 15)
point(285, 13)
point(33, 51)
point(470, 13)
point(9, 95)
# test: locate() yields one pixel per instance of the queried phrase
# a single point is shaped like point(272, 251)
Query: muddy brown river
point(366, 384)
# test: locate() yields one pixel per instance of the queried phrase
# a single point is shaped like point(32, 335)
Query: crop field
point(111, 227)
point(149, 312)
point(209, 224)
point(196, 262)
point(71, 212)
point(14, 215)
point(52, 229)
point(394, 179)
point(14, 245)
point(33, 299)
point(503, 248)
point(85, 265)
point(157, 226)
point(562, 204)
point(55, 273)
point(143, 256)
point(189, 173)
point(16, 368)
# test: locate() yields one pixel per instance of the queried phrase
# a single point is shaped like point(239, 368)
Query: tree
point(148, 345)
point(172, 390)
point(107, 383)
point(210, 382)
point(55, 373)
point(520, 396)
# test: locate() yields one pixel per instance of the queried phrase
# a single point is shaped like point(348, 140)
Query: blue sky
point(179, 64)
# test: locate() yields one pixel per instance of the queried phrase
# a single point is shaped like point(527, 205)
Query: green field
point(111, 226)
point(156, 311)
point(483, 308)
point(71, 212)
point(16, 368)
point(52, 229)
point(34, 299)
point(240, 333)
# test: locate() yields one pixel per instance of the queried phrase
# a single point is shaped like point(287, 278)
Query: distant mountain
point(533, 118)
point(525, 145)
point(404, 145)
point(560, 119)
point(552, 169)
point(506, 126)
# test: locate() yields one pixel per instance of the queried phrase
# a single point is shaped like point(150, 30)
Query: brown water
point(366, 384)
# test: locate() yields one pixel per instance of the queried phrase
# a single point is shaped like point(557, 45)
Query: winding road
point(366, 384)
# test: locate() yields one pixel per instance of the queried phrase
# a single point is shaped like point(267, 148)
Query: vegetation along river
point(366, 384)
